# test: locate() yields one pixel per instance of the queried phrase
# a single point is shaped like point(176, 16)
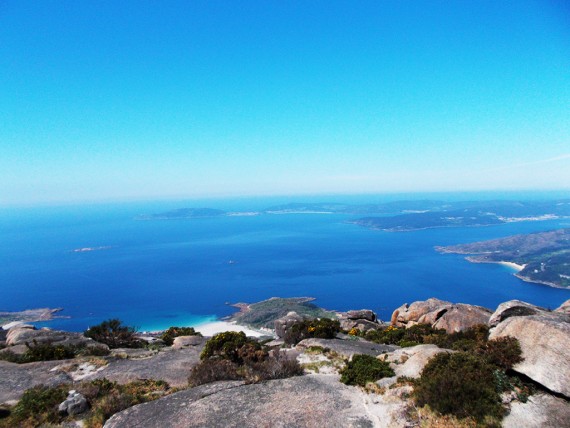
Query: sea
point(153, 274)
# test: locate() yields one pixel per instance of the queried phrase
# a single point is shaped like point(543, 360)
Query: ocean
point(159, 273)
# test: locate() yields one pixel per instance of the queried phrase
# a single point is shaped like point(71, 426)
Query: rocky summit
point(541, 378)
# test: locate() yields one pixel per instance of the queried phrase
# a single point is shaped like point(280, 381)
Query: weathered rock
point(545, 342)
point(347, 348)
point(363, 314)
point(541, 410)
point(407, 314)
point(361, 324)
point(170, 365)
point(440, 314)
point(460, 317)
point(564, 308)
point(513, 308)
point(75, 404)
point(21, 335)
point(304, 401)
point(185, 341)
point(283, 324)
point(410, 361)
point(16, 378)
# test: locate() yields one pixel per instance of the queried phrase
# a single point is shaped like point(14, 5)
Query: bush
point(274, 368)
point(363, 369)
point(38, 405)
point(107, 398)
point(502, 352)
point(459, 384)
point(233, 346)
point(48, 352)
point(212, 371)
point(173, 332)
point(323, 328)
point(115, 335)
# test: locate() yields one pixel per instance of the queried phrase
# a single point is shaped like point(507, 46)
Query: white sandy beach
point(512, 265)
point(211, 328)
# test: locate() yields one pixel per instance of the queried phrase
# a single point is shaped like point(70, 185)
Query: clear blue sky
point(107, 100)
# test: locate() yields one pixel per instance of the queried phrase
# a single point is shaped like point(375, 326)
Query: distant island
point(400, 216)
point(542, 257)
point(469, 214)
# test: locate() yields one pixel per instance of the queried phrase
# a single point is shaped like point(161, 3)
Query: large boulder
point(363, 314)
point(411, 361)
point(514, 308)
point(347, 348)
point(545, 343)
point(541, 410)
point(302, 401)
point(412, 314)
point(283, 324)
point(440, 314)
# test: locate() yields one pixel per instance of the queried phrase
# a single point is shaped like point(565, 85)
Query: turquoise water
point(178, 272)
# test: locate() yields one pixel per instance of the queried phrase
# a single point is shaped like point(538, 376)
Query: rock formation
point(440, 314)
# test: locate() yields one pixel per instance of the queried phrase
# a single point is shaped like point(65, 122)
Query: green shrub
point(107, 398)
point(233, 346)
point(502, 352)
point(114, 334)
point(459, 384)
point(173, 332)
point(48, 352)
point(323, 328)
point(363, 369)
point(212, 371)
point(38, 405)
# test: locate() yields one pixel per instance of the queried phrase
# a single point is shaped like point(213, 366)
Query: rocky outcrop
point(16, 378)
point(347, 348)
point(545, 341)
point(304, 401)
point(412, 314)
point(283, 324)
point(440, 314)
point(564, 308)
point(170, 365)
point(20, 335)
point(363, 314)
point(541, 410)
point(363, 320)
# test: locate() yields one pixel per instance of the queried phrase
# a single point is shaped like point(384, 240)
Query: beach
point(212, 328)
point(512, 265)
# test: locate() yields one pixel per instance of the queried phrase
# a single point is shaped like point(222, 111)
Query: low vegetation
point(234, 356)
point(114, 334)
point(323, 328)
point(467, 384)
point(363, 369)
point(39, 405)
point(48, 352)
point(169, 335)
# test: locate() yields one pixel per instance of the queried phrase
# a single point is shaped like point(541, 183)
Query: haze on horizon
point(128, 100)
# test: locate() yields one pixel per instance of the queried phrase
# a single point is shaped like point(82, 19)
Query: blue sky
point(141, 100)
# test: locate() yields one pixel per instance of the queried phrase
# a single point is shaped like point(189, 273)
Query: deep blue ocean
point(178, 272)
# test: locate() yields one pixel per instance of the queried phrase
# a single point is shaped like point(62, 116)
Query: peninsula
point(543, 257)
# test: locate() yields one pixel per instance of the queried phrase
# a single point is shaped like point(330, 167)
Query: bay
point(155, 274)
